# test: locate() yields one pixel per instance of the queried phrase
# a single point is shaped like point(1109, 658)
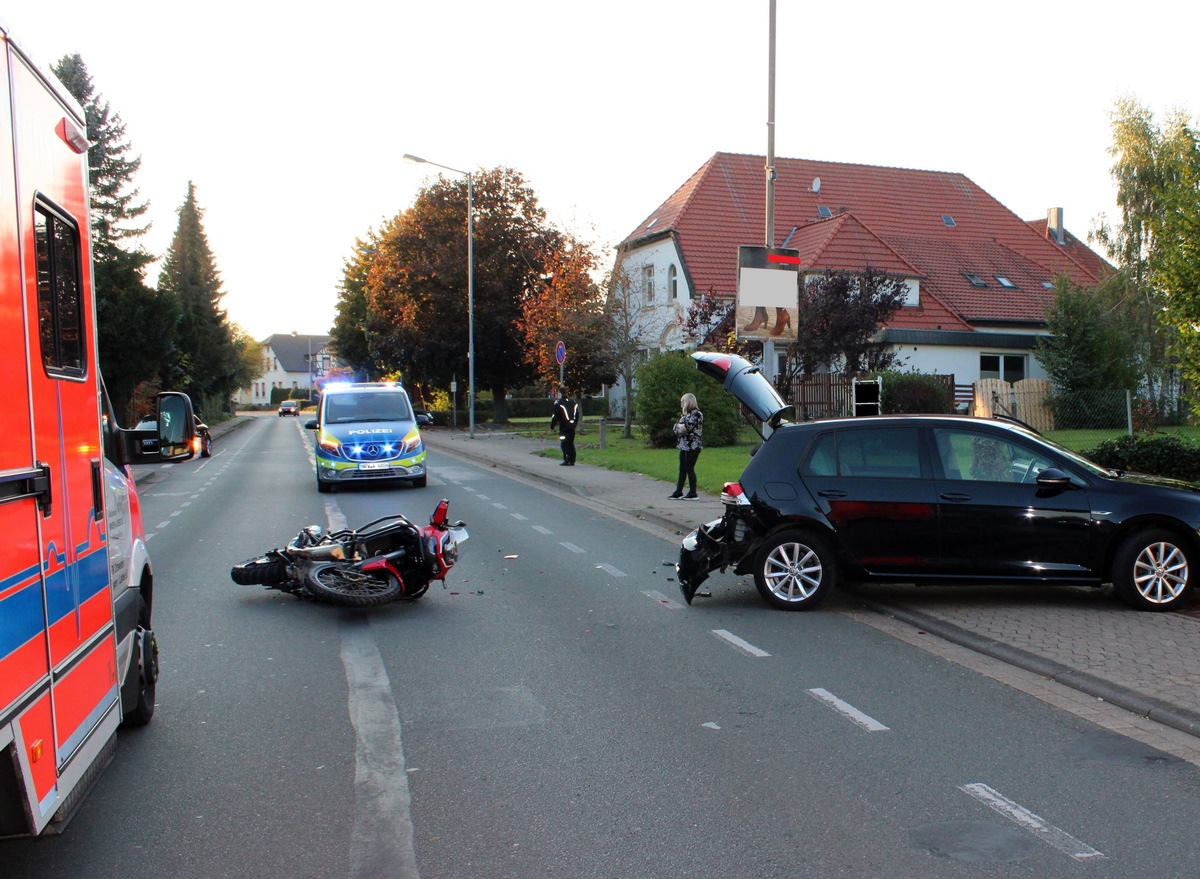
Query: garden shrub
point(1159, 455)
point(906, 393)
point(666, 377)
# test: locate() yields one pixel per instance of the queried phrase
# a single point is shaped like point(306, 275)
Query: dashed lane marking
point(663, 601)
point(1036, 825)
point(744, 646)
point(847, 710)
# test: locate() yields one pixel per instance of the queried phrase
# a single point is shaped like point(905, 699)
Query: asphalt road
point(556, 712)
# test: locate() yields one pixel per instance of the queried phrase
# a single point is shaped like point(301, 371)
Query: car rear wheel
point(1152, 570)
point(794, 570)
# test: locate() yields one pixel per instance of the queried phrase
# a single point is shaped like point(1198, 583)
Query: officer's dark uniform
point(566, 419)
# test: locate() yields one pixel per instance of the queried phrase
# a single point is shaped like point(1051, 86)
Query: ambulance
point(78, 656)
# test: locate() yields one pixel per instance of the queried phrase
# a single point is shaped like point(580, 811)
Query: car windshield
point(344, 408)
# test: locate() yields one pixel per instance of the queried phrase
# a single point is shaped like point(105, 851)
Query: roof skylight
point(949, 221)
point(824, 212)
point(975, 280)
point(1004, 282)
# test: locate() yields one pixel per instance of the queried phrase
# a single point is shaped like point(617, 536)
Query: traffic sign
point(560, 353)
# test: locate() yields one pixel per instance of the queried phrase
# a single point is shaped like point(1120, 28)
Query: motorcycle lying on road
point(386, 559)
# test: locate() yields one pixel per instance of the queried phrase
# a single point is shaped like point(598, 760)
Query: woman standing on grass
point(690, 430)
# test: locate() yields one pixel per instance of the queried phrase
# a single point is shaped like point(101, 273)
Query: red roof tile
point(890, 218)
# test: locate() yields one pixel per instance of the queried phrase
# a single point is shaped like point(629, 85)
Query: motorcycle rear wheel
point(264, 571)
point(338, 583)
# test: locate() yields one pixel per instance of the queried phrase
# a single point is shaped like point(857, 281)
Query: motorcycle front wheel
point(338, 583)
point(264, 571)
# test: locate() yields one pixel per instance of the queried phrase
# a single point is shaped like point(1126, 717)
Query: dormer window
point(975, 280)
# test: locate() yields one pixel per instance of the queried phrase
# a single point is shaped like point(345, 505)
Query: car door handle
point(831, 492)
point(956, 497)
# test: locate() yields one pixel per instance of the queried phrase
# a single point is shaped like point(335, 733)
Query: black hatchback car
point(934, 498)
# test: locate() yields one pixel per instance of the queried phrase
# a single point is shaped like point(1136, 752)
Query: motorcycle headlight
point(449, 549)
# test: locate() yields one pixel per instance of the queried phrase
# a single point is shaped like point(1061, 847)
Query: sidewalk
point(1146, 663)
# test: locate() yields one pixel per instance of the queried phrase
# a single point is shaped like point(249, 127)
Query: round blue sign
point(560, 352)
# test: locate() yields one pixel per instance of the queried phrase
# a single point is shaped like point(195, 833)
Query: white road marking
point(164, 524)
point(519, 517)
point(381, 841)
point(571, 547)
point(663, 601)
point(542, 529)
point(1036, 825)
point(616, 572)
point(737, 642)
point(847, 710)
point(499, 506)
point(711, 725)
point(483, 497)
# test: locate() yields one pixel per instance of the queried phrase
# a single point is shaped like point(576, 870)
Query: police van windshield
point(345, 408)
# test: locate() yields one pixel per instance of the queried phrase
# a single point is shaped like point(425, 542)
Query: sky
point(293, 125)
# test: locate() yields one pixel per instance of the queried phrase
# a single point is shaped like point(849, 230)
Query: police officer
point(566, 419)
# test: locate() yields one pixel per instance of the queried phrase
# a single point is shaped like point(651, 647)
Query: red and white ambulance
point(77, 653)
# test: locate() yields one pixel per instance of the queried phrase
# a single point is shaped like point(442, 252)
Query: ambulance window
point(60, 298)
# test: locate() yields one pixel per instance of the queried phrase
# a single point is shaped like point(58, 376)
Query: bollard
point(603, 432)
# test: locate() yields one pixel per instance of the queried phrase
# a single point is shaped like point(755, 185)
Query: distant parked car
point(289, 407)
point(925, 498)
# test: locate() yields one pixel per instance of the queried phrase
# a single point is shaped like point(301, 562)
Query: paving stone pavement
point(1145, 663)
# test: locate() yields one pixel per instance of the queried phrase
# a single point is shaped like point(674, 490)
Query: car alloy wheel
point(1151, 571)
point(794, 570)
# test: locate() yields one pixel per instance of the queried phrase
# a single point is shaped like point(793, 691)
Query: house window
point(59, 292)
point(648, 282)
point(1010, 367)
point(673, 283)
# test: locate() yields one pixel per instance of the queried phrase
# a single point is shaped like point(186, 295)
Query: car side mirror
point(1052, 477)
point(424, 418)
point(311, 424)
point(176, 426)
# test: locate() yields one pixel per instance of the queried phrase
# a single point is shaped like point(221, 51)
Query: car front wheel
point(794, 570)
point(1152, 570)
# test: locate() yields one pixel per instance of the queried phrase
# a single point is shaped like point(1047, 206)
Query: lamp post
point(417, 160)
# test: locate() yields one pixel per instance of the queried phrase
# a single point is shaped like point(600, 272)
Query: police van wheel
point(420, 481)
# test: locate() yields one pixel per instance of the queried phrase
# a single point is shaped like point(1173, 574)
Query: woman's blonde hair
point(688, 402)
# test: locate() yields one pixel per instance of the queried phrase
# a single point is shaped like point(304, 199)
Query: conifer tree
point(134, 323)
point(206, 363)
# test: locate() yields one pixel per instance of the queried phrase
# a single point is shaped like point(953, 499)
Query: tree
point(349, 338)
point(206, 362)
point(1092, 343)
point(568, 306)
point(635, 326)
point(840, 314)
point(133, 323)
point(1157, 243)
point(416, 283)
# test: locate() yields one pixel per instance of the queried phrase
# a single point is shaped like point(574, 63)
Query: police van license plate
point(374, 465)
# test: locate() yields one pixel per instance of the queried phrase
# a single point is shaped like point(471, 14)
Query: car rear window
point(875, 453)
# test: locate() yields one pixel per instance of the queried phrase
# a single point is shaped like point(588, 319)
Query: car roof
point(1003, 423)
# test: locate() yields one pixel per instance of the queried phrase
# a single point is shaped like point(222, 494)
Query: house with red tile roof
point(979, 278)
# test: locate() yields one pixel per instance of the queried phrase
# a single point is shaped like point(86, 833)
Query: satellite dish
point(816, 184)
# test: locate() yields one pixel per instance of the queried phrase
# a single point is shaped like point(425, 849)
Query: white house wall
point(960, 361)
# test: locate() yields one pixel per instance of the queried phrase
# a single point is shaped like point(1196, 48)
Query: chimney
point(1054, 225)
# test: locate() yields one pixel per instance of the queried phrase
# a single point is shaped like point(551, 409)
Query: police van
point(368, 432)
point(78, 655)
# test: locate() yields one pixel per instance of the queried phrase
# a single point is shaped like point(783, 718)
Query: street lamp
point(417, 160)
